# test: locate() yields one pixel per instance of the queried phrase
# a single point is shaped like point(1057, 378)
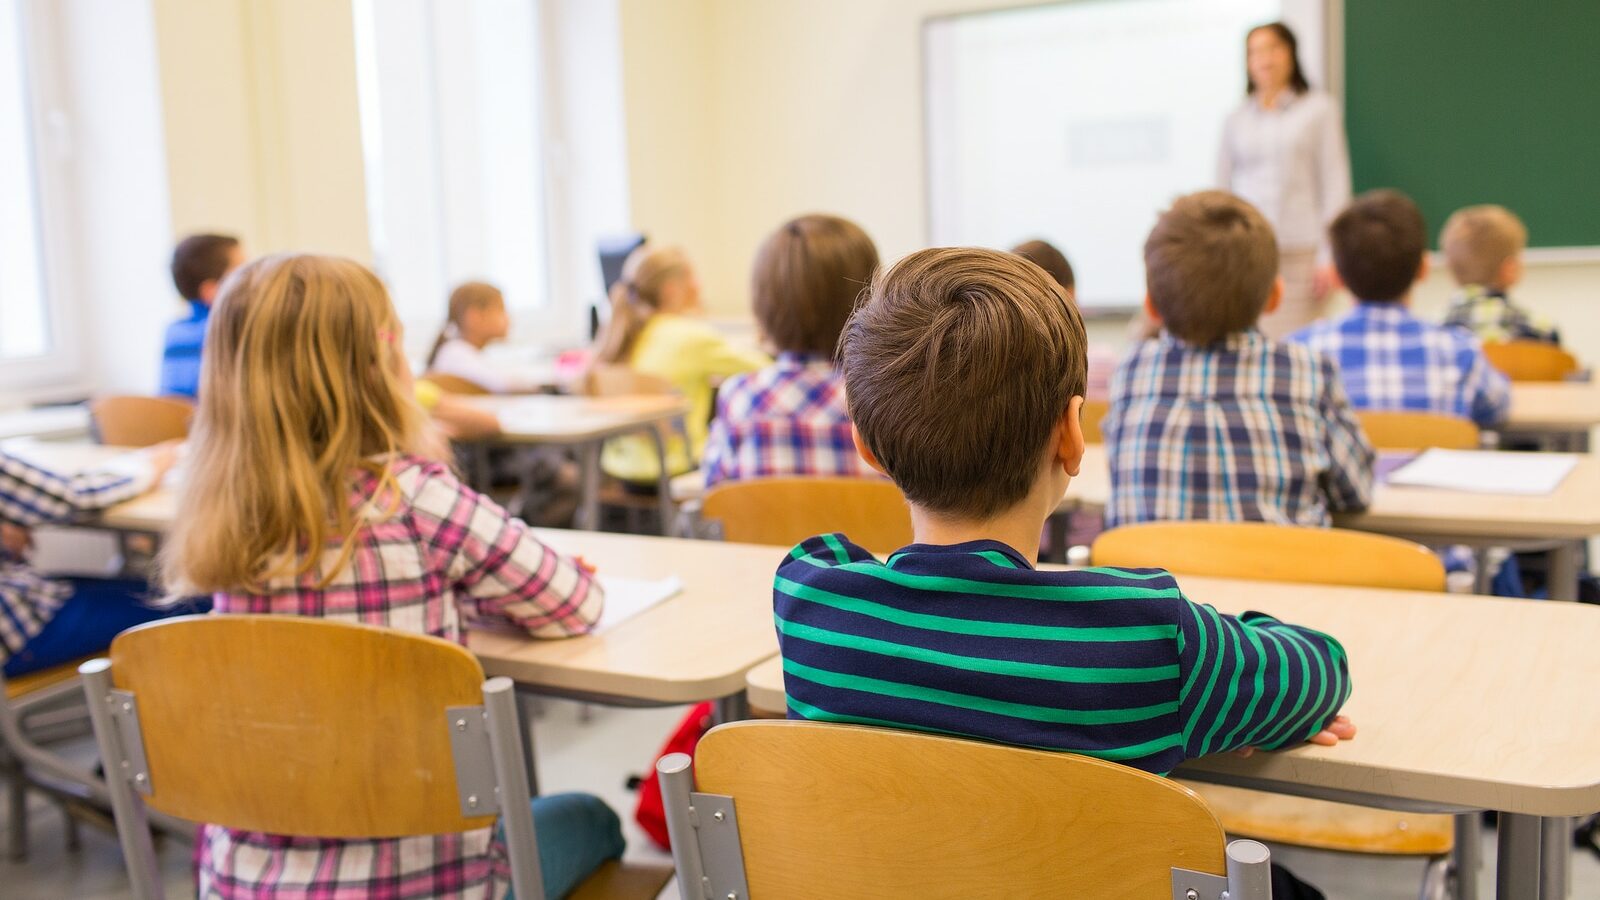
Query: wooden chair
point(801, 809)
point(390, 734)
point(1263, 552)
point(786, 511)
point(455, 384)
point(1394, 430)
point(30, 706)
point(1530, 360)
point(132, 421)
point(1094, 411)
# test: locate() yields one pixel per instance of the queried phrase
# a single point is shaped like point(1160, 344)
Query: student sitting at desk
point(47, 622)
point(476, 318)
point(790, 418)
point(1388, 358)
point(199, 264)
point(1483, 246)
point(320, 503)
point(958, 633)
point(1213, 420)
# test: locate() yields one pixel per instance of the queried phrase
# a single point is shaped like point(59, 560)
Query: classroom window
point(25, 327)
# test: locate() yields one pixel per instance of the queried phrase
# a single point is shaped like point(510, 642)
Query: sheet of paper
point(628, 597)
point(1486, 472)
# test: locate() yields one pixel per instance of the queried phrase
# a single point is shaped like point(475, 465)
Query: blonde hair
point(1477, 240)
point(303, 385)
point(466, 297)
point(636, 297)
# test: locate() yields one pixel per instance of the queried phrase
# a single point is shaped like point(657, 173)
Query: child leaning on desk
point(395, 540)
point(958, 633)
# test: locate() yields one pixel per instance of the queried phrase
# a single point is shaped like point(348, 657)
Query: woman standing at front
point(1284, 150)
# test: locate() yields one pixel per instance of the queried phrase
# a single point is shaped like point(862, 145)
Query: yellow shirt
point(691, 355)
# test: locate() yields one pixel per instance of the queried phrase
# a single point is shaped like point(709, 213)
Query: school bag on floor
point(650, 812)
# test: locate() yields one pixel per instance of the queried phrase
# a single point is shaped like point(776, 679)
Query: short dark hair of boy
point(1209, 265)
point(199, 258)
point(957, 368)
point(808, 277)
point(1378, 242)
point(1045, 255)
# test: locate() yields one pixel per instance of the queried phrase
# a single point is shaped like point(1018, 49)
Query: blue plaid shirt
point(29, 496)
point(786, 419)
point(1243, 430)
point(180, 357)
point(1391, 360)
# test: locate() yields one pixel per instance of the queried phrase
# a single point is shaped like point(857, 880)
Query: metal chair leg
point(17, 806)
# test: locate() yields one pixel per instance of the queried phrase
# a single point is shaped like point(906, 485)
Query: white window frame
point(59, 373)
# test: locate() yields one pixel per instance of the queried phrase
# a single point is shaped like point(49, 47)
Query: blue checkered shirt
point(787, 419)
point(1243, 430)
point(29, 496)
point(1391, 360)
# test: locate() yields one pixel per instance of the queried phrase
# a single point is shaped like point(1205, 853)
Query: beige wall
point(262, 127)
point(742, 113)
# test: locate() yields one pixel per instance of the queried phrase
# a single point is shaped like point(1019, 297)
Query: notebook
point(628, 597)
point(1486, 471)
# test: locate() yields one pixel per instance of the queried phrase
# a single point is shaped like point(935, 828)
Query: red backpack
point(650, 813)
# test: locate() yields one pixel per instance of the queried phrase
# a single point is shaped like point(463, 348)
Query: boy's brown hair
point(1209, 265)
point(199, 258)
point(1045, 255)
point(1378, 242)
point(807, 279)
point(957, 368)
point(1477, 240)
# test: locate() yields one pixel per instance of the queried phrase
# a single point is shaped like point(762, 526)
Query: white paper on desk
point(1486, 472)
point(628, 597)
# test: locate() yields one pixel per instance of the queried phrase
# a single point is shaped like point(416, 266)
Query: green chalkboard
point(1480, 101)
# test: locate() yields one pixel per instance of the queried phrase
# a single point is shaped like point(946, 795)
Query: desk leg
point(589, 487)
point(663, 483)
point(1467, 856)
point(1564, 571)
point(732, 708)
point(1555, 846)
point(526, 709)
point(1520, 858)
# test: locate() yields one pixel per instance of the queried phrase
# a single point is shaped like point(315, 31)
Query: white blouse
point(459, 358)
point(1291, 161)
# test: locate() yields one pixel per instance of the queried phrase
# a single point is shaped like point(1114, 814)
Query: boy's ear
point(1150, 310)
point(1070, 446)
point(208, 290)
point(865, 451)
point(1424, 267)
point(1274, 296)
point(1510, 271)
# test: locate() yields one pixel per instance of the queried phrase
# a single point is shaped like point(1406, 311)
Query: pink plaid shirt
point(444, 558)
point(786, 419)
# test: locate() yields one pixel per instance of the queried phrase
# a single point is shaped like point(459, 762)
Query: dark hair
point(1045, 255)
point(957, 369)
point(807, 279)
point(1297, 75)
point(1378, 242)
point(1209, 265)
point(200, 258)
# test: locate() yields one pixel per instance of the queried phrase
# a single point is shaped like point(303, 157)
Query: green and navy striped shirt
point(971, 640)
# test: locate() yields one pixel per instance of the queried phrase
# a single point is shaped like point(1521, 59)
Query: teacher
point(1283, 149)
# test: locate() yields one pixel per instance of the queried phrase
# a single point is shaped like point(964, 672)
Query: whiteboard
point(1078, 122)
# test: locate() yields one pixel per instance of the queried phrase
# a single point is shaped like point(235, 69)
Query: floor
point(597, 755)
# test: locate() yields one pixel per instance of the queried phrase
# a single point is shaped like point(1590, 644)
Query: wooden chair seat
point(1094, 411)
point(1324, 825)
point(1395, 430)
point(785, 511)
point(24, 685)
point(455, 384)
point(132, 421)
point(1530, 360)
point(624, 880)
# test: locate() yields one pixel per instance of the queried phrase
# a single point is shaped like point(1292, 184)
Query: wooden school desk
point(1565, 517)
point(1460, 703)
point(585, 423)
point(1565, 411)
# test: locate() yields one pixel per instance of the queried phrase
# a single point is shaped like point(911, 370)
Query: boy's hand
point(15, 540)
point(1340, 729)
point(163, 457)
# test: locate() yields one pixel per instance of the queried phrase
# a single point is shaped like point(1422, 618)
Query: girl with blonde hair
point(310, 492)
point(657, 328)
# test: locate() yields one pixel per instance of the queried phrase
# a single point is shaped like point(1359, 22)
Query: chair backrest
point(848, 811)
point(1093, 412)
point(786, 511)
point(610, 380)
point(455, 384)
point(302, 726)
point(133, 421)
point(1394, 430)
point(1530, 360)
point(1262, 552)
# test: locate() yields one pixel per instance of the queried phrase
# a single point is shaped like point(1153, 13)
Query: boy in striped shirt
point(965, 372)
